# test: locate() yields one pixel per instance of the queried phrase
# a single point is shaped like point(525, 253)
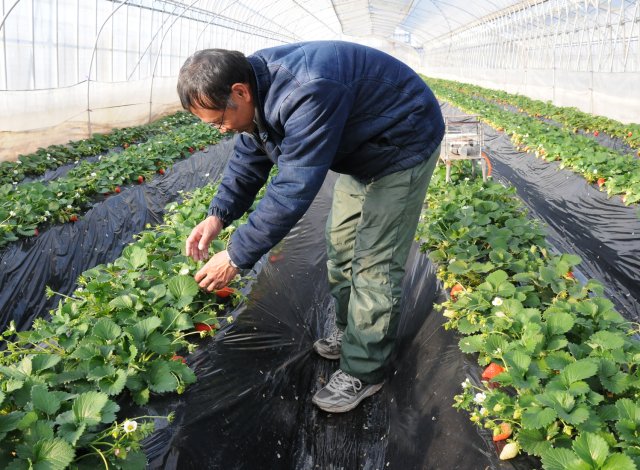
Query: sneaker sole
point(326, 355)
point(344, 408)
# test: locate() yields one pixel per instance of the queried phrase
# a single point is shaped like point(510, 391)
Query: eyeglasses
point(221, 122)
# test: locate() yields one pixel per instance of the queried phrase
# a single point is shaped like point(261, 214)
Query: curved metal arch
point(6, 15)
point(93, 54)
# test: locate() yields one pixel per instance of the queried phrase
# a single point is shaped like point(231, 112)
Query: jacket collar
point(261, 87)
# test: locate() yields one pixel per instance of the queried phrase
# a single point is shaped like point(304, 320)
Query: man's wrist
point(231, 263)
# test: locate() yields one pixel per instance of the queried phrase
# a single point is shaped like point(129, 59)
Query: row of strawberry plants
point(121, 334)
point(54, 156)
point(572, 118)
point(614, 173)
point(562, 380)
point(25, 207)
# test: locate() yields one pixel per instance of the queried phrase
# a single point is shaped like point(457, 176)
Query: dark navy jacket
point(322, 106)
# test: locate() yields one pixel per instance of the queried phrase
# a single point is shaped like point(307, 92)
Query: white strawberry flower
point(595, 171)
point(15, 172)
point(12, 214)
point(466, 384)
point(496, 302)
point(480, 398)
point(18, 162)
point(130, 425)
point(93, 174)
point(184, 271)
point(484, 412)
point(69, 206)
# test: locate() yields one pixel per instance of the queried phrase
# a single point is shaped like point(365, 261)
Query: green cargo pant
point(369, 233)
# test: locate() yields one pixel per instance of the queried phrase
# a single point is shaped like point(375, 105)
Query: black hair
point(206, 77)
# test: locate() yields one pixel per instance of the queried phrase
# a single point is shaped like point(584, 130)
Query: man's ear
point(242, 91)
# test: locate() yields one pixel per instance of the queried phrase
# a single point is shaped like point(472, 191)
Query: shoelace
point(341, 381)
point(335, 336)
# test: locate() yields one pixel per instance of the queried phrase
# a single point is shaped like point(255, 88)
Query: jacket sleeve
point(244, 175)
point(313, 117)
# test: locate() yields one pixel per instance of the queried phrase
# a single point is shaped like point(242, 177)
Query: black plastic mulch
point(580, 219)
point(60, 254)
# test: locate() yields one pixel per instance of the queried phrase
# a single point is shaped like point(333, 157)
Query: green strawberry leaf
point(44, 401)
point(558, 322)
point(10, 421)
point(71, 432)
point(52, 454)
point(87, 407)
point(619, 462)
point(160, 378)
point(536, 417)
point(134, 461)
point(182, 287)
point(106, 329)
point(472, 344)
point(42, 362)
point(137, 256)
point(579, 370)
point(141, 330)
point(591, 448)
point(113, 384)
point(109, 412)
point(607, 340)
point(534, 441)
point(518, 360)
point(563, 459)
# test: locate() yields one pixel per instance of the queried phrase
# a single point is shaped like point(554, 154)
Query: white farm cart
point(464, 140)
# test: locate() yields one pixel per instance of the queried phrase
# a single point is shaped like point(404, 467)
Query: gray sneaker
point(343, 393)
point(329, 347)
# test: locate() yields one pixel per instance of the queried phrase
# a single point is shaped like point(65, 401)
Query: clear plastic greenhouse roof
point(98, 64)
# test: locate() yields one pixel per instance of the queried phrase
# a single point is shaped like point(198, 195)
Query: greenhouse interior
point(448, 277)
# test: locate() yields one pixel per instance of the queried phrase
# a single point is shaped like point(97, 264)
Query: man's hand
point(216, 273)
point(201, 236)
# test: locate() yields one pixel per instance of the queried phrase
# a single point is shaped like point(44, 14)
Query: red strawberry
point(117, 190)
point(491, 371)
point(275, 258)
point(125, 145)
point(73, 218)
point(36, 232)
point(601, 182)
point(140, 179)
point(203, 327)
point(179, 358)
point(224, 292)
point(455, 290)
point(502, 433)
point(191, 150)
point(570, 275)
point(596, 133)
point(161, 171)
point(629, 134)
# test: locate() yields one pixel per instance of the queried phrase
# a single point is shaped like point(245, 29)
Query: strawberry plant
point(561, 380)
point(26, 206)
point(52, 157)
point(123, 333)
point(550, 143)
